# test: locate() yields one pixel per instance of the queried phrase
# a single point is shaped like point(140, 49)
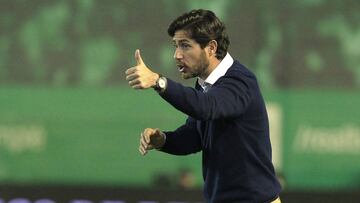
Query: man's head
point(201, 42)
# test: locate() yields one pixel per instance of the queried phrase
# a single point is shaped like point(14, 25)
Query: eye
point(184, 46)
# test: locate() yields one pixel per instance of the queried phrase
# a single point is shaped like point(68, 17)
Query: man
point(227, 116)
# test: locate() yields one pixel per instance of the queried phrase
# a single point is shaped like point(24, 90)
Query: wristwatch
point(161, 84)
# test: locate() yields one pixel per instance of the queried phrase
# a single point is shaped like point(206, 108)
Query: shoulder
point(238, 73)
point(239, 70)
point(238, 78)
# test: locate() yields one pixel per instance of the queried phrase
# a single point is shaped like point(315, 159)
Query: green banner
point(319, 141)
point(91, 136)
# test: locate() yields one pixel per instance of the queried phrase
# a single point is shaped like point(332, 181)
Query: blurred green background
point(67, 115)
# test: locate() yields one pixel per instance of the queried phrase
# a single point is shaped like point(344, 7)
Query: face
point(192, 61)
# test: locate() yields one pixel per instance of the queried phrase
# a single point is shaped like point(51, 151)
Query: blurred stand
point(89, 194)
point(186, 179)
point(183, 179)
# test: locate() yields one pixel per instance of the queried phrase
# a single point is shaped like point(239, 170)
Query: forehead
point(182, 36)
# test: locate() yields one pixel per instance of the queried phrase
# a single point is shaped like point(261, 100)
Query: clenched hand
point(151, 139)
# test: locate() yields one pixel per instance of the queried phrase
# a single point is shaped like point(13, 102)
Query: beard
point(199, 69)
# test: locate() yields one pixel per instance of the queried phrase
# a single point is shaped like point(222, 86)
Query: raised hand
point(140, 76)
point(151, 139)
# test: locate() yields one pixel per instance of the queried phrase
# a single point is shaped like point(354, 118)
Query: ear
point(212, 47)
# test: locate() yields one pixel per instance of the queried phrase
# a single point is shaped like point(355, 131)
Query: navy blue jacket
point(229, 124)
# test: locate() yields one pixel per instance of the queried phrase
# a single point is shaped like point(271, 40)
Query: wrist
point(162, 142)
point(161, 84)
point(156, 78)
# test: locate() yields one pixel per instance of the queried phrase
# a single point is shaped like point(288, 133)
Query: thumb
point(157, 131)
point(138, 57)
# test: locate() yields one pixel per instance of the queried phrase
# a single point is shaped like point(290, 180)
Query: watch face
point(162, 83)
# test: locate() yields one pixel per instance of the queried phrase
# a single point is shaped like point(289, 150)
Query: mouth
point(181, 67)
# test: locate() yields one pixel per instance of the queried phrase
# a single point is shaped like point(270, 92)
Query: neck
point(213, 63)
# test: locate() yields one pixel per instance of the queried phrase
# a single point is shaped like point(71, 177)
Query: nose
point(178, 54)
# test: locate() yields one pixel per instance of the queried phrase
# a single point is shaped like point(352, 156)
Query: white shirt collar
point(218, 72)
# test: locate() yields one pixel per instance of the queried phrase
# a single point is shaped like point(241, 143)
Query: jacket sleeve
point(228, 97)
point(184, 140)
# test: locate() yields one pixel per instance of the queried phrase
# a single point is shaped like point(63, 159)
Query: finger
point(142, 151)
point(147, 138)
point(132, 76)
point(138, 57)
point(157, 131)
point(147, 134)
point(137, 87)
point(131, 70)
point(142, 140)
point(132, 83)
point(149, 147)
point(143, 143)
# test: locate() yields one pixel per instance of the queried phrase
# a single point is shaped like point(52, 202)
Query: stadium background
point(69, 124)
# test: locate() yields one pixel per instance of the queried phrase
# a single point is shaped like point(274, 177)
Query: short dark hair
point(202, 26)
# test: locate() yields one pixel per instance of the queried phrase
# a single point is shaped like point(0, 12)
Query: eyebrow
point(182, 40)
